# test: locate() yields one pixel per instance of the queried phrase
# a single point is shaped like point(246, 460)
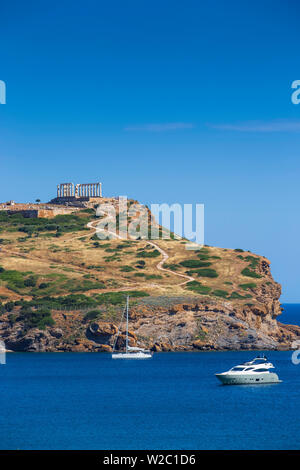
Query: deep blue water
point(89, 401)
point(290, 314)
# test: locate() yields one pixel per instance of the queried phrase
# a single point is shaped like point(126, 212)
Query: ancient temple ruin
point(80, 190)
point(83, 192)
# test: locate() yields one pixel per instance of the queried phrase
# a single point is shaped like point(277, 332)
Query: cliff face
point(166, 324)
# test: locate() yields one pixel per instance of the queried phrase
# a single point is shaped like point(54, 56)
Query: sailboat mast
point(127, 308)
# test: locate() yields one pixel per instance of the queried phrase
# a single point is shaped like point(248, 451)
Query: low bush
point(247, 272)
point(36, 319)
point(220, 293)
point(248, 285)
point(126, 269)
point(172, 267)
point(252, 260)
point(44, 285)
point(206, 272)
point(236, 295)
point(92, 315)
point(14, 279)
point(9, 306)
point(30, 281)
point(149, 254)
point(203, 257)
point(140, 264)
point(194, 263)
point(195, 286)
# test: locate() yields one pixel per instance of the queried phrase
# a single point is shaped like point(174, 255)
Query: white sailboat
point(130, 352)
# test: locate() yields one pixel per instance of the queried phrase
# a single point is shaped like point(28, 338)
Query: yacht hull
point(248, 379)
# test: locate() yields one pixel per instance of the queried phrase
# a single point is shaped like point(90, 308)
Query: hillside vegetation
point(57, 276)
point(61, 257)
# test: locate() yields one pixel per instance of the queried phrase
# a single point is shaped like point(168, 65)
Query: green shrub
point(12, 317)
point(194, 263)
point(247, 272)
point(252, 260)
point(236, 295)
point(9, 306)
point(30, 281)
point(172, 267)
point(220, 293)
point(14, 279)
point(36, 319)
point(195, 286)
point(207, 272)
point(149, 254)
point(44, 285)
point(203, 251)
point(92, 315)
point(248, 285)
point(203, 257)
point(126, 269)
point(239, 250)
point(140, 264)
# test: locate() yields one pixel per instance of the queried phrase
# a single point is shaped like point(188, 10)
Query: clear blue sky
point(165, 101)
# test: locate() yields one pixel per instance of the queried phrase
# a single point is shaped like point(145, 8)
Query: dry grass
point(75, 256)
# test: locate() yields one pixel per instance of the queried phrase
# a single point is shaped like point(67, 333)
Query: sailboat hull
point(133, 355)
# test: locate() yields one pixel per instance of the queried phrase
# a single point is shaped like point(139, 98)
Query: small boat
point(253, 372)
point(130, 351)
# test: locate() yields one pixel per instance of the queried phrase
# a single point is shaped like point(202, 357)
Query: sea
point(173, 401)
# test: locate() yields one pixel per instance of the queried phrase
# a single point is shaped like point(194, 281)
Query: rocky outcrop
point(196, 323)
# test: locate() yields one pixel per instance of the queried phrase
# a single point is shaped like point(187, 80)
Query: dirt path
point(90, 225)
point(164, 254)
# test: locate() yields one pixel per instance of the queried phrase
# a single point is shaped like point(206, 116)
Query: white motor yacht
point(253, 372)
point(130, 351)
